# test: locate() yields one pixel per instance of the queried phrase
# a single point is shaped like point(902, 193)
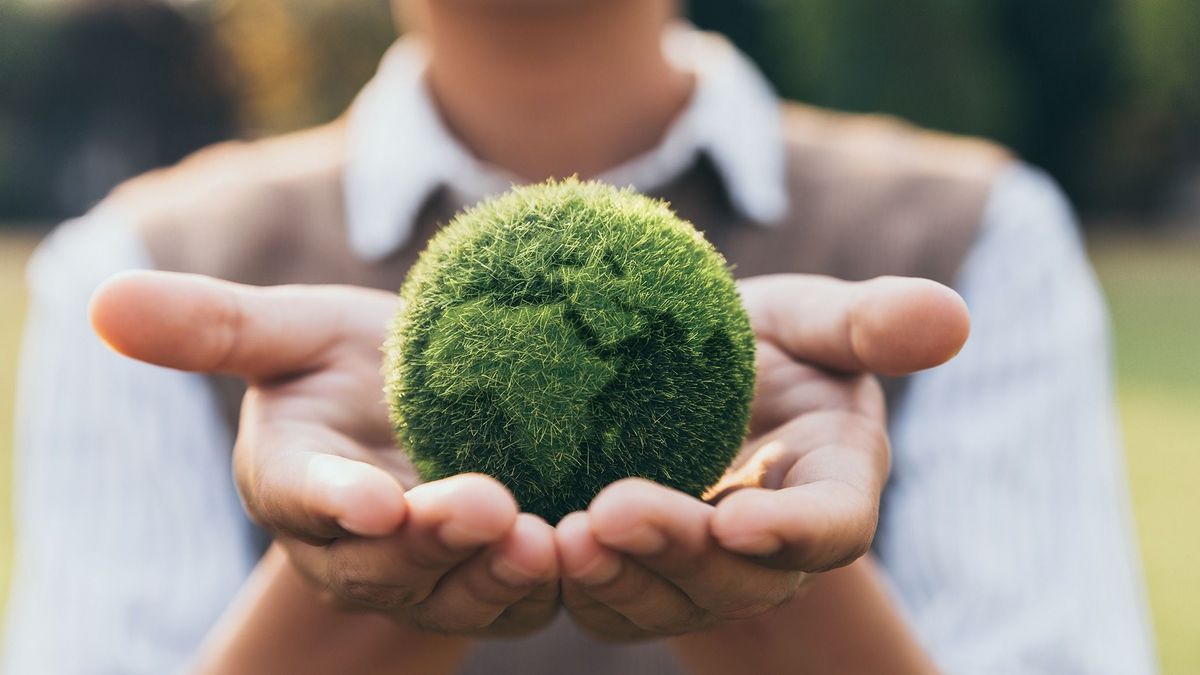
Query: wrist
point(843, 621)
point(281, 622)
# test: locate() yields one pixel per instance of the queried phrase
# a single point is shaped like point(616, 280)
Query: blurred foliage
point(1102, 93)
point(95, 91)
point(300, 62)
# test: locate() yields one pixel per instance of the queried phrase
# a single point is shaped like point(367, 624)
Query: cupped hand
point(803, 494)
point(314, 460)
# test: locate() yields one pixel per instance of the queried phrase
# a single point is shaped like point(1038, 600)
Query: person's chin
point(519, 4)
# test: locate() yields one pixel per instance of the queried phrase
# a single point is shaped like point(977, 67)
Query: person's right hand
point(315, 462)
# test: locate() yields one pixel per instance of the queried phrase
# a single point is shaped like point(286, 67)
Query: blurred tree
point(1065, 54)
point(22, 173)
point(272, 60)
point(926, 60)
point(300, 62)
point(94, 91)
point(98, 91)
point(1154, 127)
point(1102, 93)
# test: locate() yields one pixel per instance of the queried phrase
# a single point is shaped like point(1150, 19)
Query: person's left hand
point(803, 495)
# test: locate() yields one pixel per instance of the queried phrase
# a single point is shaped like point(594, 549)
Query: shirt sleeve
point(1006, 530)
point(130, 536)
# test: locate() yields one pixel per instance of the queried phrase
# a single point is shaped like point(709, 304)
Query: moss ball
point(564, 336)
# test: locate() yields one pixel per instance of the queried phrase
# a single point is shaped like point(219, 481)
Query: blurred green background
point(1105, 94)
point(1102, 93)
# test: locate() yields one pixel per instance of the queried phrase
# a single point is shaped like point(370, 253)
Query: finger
point(813, 527)
point(604, 582)
point(667, 532)
point(535, 610)
point(887, 326)
point(292, 485)
point(462, 512)
point(645, 519)
point(824, 472)
point(196, 323)
point(449, 521)
point(475, 594)
point(599, 620)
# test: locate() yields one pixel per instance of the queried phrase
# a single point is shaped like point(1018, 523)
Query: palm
point(335, 409)
point(803, 493)
point(316, 465)
point(315, 461)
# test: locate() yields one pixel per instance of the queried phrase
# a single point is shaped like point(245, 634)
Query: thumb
point(885, 326)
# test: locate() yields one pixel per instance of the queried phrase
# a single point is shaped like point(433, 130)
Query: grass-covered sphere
point(564, 336)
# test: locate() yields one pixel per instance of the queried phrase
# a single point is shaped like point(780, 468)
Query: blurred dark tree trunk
point(1067, 54)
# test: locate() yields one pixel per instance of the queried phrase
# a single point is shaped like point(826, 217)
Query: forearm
point(844, 623)
point(279, 623)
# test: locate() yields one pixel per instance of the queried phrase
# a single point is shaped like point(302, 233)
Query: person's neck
point(554, 91)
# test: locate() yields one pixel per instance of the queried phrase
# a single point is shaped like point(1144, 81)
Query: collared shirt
point(399, 151)
point(1005, 532)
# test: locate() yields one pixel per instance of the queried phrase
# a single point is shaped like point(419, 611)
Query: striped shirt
point(1005, 531)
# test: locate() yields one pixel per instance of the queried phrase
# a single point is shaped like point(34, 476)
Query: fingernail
point(340, 494)
point(752, 543)
point(333, 473)
point(511, 573)
point(641, 540)
point(340, 480)
point(359, 527)
point(459, 535)
point(599, 570)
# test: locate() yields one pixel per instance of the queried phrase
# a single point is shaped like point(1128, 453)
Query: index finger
point(886, 326)
point(197, 323)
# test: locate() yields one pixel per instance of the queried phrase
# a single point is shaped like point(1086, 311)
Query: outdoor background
point(1105, 94)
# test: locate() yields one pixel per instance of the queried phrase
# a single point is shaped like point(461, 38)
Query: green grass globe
point(564, 336)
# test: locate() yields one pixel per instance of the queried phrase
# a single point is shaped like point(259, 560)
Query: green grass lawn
point(1154, 292)
point(13, 252)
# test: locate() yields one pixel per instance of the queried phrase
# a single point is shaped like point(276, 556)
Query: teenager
point(1006, 508)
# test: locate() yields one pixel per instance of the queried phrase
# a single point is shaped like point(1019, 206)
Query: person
point(127, 86)
point(1003, 515)
point(453, 558)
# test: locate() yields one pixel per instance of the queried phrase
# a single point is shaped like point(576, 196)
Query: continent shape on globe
point(567, 335)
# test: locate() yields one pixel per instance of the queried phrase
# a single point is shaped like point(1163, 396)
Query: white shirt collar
point(399, 151)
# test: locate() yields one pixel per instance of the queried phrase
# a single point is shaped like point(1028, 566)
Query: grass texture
point(564, 336)
point(15, 249)
point(1153, 289)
